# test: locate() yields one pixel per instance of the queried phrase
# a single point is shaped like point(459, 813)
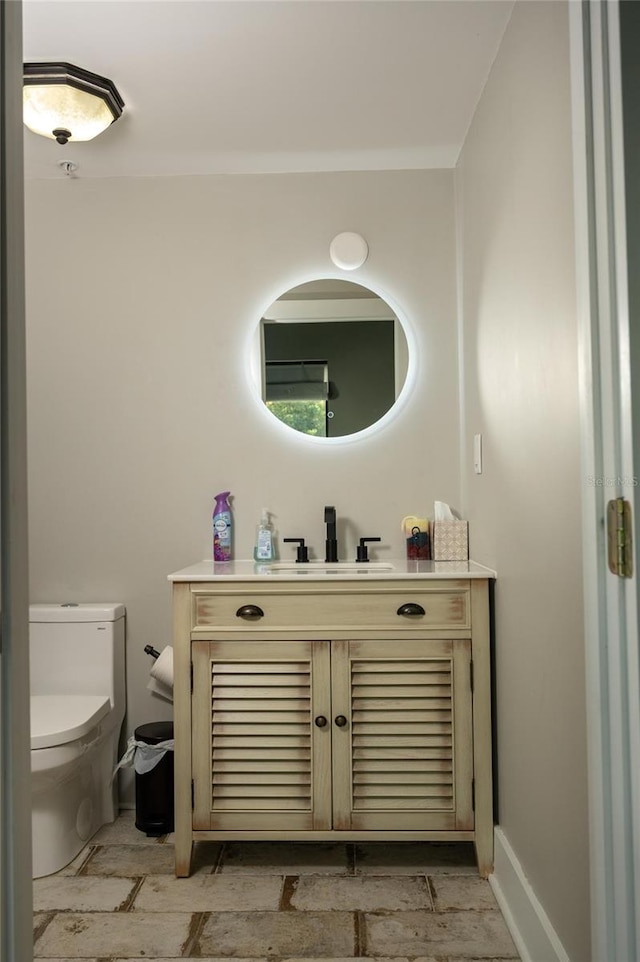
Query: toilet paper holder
point(161, 680)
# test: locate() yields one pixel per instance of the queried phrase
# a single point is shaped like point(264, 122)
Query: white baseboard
point(535, 938)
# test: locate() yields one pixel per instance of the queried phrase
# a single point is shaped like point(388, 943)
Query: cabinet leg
point(483, 844)
point(183, 850)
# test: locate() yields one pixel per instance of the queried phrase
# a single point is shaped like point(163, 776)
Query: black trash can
point(154, 789)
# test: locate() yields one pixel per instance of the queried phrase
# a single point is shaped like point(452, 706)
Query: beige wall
point(514, 189)
point(143, 296)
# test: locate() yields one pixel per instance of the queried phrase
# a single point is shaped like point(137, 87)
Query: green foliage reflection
point(308, 417)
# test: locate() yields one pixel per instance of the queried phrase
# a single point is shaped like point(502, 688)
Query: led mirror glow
point(334, 358)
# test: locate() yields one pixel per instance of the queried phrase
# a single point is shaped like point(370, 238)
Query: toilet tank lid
point(70, 611)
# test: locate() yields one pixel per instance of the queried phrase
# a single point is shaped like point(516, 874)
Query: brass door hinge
point(619, 538)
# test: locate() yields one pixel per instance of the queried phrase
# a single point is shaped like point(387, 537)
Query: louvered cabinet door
point(261, 756)
point(402, 735)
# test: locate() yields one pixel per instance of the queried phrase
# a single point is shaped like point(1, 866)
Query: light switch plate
point(477, 453)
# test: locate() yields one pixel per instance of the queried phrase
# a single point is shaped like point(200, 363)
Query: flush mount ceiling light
point(348, 250)
point(67, 103)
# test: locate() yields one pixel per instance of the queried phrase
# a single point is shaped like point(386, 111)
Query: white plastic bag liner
point(142, 756)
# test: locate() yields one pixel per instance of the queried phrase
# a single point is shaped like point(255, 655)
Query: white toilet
point(77, 709)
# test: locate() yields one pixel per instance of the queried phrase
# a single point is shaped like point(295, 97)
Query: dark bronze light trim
point(68, 73)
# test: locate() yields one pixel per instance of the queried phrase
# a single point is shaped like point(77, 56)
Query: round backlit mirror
point(334, 358)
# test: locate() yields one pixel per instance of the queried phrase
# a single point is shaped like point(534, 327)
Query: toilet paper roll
point(157, 688)
point(162, 668)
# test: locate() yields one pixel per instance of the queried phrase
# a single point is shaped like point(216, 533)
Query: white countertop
point(342, 570)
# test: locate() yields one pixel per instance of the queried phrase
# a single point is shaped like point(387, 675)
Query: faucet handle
point(302, 551)
point(362, 553)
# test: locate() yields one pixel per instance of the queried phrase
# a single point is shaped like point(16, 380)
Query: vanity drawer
point(386, 609)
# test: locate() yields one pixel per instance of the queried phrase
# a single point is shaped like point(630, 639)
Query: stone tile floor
point(268, 902)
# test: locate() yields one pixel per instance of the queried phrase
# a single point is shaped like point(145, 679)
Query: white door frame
point(16, 901)
point(611, 616)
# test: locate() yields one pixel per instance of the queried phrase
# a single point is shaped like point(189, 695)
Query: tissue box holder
point(450, 540)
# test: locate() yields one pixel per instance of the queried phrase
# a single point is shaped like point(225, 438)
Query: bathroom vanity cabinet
point(319, 705)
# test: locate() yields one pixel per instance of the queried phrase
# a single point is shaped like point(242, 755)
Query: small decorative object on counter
point(416, 533)
point(264, 549)
point(222, 528)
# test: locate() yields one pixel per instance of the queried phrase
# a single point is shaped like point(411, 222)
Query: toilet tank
point(78, 649)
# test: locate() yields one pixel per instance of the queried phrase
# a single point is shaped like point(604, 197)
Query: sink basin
point(336, 567)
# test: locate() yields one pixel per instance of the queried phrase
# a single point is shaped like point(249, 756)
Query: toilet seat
point(60, 719)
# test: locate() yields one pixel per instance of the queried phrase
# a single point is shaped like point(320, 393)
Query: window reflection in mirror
point(297, 392)
point(334, 358)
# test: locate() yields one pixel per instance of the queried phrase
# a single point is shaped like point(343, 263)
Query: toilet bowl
point(77, 708)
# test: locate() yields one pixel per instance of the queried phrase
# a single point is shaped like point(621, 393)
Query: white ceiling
point(228, 86)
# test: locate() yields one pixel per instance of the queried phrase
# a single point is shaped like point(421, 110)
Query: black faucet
point(302, 550)
point(362, 553)
point(331, 544)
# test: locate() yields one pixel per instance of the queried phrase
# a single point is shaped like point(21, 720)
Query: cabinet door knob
point(321, 721)
point(411, 610)
point(340, 721)
point(249, 611)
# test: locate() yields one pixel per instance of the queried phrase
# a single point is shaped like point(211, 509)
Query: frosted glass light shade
point(67, 103)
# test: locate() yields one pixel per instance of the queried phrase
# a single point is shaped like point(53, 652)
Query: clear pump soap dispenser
point(264, 550)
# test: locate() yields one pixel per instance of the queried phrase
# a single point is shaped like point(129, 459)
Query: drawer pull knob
point(321, 721)
point(249, 611)
point(340, 721)
point(411, 610)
